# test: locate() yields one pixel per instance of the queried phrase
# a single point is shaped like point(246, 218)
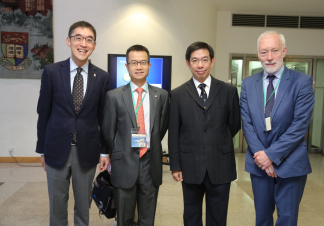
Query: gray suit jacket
point(119, 119)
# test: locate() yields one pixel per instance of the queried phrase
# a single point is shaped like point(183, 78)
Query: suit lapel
point(260, 95)
point(282, 88)
point(191, 89)
point(65, 74)
point(153, 102)
point(214, 89)
point(90, 84)
point(127, 97)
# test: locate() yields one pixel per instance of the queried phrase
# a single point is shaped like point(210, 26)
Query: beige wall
point(244, 40)
point(165, 27)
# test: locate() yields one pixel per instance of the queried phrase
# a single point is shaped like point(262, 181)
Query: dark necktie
point(203, 95)
point(77, 94)
point(270, 103)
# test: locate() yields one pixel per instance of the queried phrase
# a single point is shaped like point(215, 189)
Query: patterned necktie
point(140, 116)
point(77, 94)
point(203, 95)
point(270, 103)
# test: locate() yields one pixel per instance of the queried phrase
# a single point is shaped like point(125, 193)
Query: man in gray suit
point(135, 122)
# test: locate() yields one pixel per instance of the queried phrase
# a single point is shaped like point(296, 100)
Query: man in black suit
point(204, 117)
point(136, 112)
point(70, 108)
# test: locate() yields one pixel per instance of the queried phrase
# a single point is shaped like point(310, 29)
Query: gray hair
point(281, 36)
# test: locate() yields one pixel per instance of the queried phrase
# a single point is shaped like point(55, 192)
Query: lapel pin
point(95, 75)
point(155, 95)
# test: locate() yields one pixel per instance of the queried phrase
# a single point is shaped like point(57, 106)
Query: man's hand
point(177, 175)
point(270, 171)
point(104, 161)
point(262, 160)
point(43, 162)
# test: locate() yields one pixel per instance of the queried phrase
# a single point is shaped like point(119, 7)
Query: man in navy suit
point(204, 117)
point(70, 109)
point(276, 108)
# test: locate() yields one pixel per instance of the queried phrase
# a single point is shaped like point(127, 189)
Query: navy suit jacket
point(285, 144)
point(201, 139)
point(58, 120)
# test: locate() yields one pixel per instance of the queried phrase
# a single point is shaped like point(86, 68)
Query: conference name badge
point(268, 123)
point(138, 139)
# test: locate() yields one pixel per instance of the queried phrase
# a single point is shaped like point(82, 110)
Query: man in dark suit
point(276, 108)
point(204, 117)
point(136, 112)
point(70, 108)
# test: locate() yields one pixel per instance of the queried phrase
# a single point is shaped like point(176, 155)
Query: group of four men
point(79, 120)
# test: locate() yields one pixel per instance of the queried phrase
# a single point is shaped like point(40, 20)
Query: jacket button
point(265, 132)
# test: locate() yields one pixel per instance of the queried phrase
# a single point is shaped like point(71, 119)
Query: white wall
point(244, 40)
point(165, 27)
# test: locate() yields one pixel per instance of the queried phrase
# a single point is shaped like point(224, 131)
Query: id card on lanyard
point(138, 138)
point(268, 119)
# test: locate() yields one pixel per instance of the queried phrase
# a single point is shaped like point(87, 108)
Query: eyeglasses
point(79, 38)
point(134, 63)
point(203, 61)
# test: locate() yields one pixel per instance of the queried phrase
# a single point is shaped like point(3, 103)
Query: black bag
point(102, 194)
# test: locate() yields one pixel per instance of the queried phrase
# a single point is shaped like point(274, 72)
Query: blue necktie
point(203, 95)
point(270, 103)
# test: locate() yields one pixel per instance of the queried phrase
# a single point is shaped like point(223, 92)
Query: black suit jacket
point(119, 119)
point(58, 120)
point(201, 140)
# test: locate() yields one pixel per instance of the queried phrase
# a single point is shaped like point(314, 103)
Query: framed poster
point(26, 38)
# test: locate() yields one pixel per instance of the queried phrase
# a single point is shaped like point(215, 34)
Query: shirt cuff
point(104, 155)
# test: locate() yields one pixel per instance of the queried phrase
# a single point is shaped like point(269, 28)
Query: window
point(40, 5)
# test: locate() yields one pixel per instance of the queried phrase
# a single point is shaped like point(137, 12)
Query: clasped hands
point(262, 161)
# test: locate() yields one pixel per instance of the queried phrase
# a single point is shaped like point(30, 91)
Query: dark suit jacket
point(201, 140)
point(285, 144)
point(58, 120)
point(119, 119)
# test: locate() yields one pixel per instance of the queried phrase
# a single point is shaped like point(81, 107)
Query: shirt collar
point(277, 73)
point(134, 87)
point(73, 66)
point(207, 81)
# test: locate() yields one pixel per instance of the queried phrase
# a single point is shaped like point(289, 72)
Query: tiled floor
point(24, 200)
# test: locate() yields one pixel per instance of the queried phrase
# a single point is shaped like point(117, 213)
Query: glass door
point(315, 141)
point(236, 80)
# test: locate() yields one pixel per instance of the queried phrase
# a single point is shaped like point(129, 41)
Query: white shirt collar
point(134, 87)
point(73, 66)
point(207, 81)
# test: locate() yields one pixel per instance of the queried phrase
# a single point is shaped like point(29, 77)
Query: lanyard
point(136, 109)
point(265, 102)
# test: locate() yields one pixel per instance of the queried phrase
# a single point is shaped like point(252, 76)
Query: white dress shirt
point(84, 73)
point(146, 108)
point(207, 82)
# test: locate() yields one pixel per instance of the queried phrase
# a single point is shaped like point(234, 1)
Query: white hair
point(266, 33)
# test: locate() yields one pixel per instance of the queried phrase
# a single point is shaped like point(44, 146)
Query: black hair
point(199, 45)
point(82, 24)
point(137, 48)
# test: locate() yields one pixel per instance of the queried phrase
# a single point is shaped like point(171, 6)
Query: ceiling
point(273, 7)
